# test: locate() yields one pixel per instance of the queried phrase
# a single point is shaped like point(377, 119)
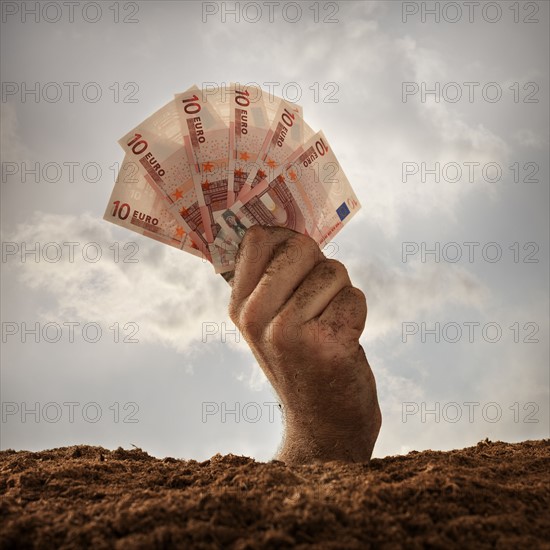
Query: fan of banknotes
point(211, 163)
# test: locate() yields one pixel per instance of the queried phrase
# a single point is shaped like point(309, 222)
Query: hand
point(302, 318)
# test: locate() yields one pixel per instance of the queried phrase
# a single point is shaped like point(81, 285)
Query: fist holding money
point(238, 177)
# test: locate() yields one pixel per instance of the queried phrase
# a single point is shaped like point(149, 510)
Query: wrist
point(307, 439)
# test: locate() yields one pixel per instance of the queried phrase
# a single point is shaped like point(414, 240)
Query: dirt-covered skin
point(302, 318)
point(493, 495)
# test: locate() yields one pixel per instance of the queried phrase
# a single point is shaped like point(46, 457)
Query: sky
point(440, 120)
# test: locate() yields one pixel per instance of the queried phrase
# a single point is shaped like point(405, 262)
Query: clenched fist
point(302, 318)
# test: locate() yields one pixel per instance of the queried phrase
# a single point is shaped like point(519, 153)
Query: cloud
point(254, 378)
point(370, 127)
point(398, 294)
point(525, 137)
point(172, 297)
point(168, 294)
point(416, 132)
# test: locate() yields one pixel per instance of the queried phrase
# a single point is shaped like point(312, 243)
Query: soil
point(493, 495)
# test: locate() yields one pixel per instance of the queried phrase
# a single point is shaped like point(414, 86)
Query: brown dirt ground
point(490, 495)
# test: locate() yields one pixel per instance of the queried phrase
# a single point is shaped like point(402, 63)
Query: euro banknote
point(212, 162)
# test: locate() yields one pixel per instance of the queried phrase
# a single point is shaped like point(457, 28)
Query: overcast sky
point(350, 63)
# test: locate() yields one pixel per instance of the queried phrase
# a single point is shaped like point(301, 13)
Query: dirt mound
point(493, 494)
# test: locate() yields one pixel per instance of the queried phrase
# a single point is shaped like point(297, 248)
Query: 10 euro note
point(323, 187)
point(206, 141)
point(156, 147)
point(288, 131)
point(248, 126)
point(309, 194)
point(136, 206)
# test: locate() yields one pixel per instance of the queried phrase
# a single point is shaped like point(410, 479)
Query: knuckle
point(246, 315)
point(293, 251)
point(353, 299)
point(242, 313)
point(354, 303)
point(357, 295)
point(301, 240)
point(249, 319)
point(250, 245)
point(339, 267)
point(333, 269)
point(254, 234)
point(285, 333)
point(305, 247)
point(277, 335)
